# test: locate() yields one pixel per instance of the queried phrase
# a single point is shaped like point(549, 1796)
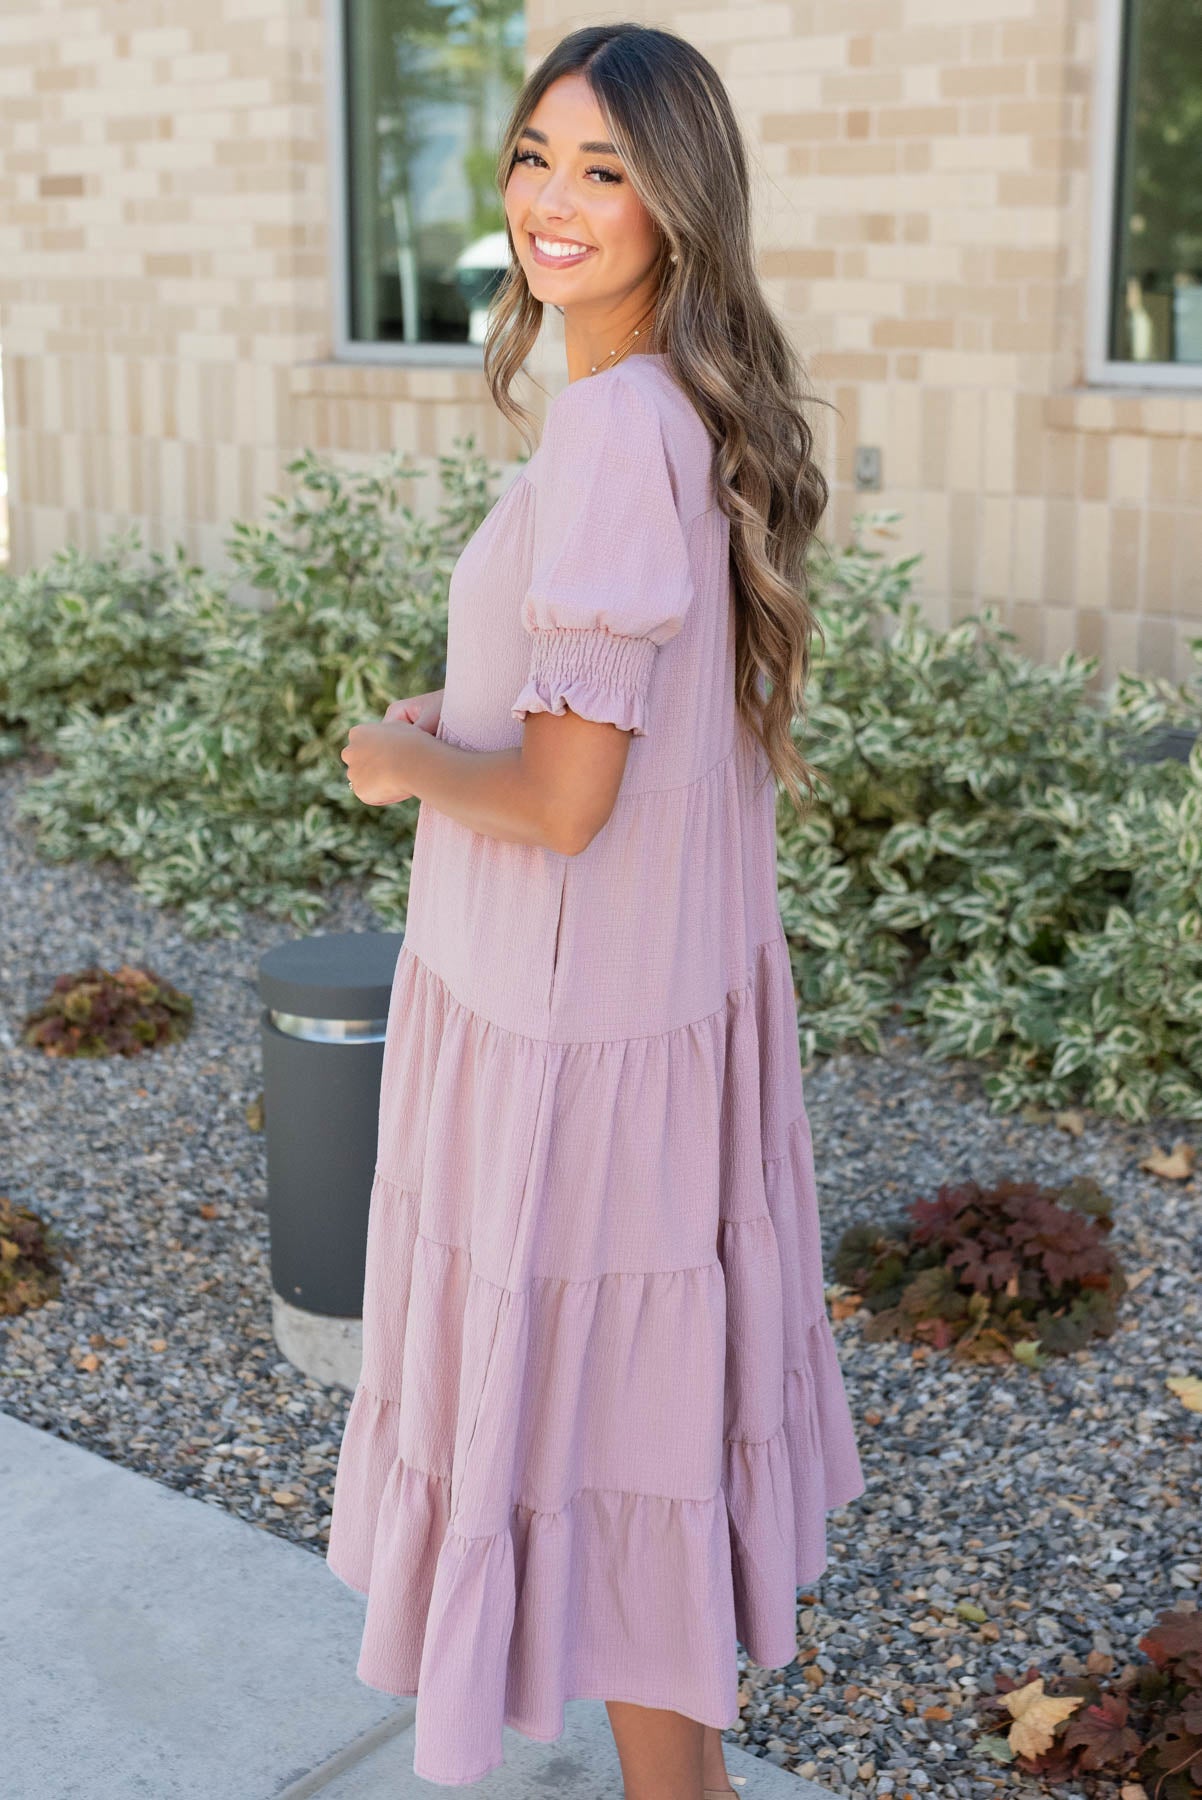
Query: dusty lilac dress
point(600, 1419)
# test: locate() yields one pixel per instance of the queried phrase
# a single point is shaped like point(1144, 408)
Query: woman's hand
point(371, 751)
point(422, 710)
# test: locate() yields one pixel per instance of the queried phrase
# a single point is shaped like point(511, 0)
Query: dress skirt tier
point(600, 1420)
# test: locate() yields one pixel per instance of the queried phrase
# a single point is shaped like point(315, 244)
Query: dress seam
point(567, 1280)
point(783, 1155)
point(551, 1512)
point(586, 1487)
point(745, 987)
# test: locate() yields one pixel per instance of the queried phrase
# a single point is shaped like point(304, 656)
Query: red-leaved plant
point(991, 1273)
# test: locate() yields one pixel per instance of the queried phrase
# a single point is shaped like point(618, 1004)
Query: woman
point(600, 1419)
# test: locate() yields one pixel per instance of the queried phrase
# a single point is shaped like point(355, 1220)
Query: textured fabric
point(600, 1420)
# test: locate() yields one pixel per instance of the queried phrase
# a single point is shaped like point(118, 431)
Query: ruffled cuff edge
point(600, 674)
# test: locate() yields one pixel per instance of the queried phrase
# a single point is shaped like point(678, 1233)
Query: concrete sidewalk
point(154, 1645)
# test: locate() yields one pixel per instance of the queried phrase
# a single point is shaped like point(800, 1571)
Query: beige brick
point(1091, 635)
point(1123, 631)
point(1094, 467)
point(1028, 567)
point(935, 412)
point(1027, 623)
point(963, 538)
point(858, 15)
point(996, 548)
point(723, 24)
point(1059, 544)
point(914, 334)
point(917, 121)
point(1091, 557)
point(861, 87)
point(1000, 155)
point(1165, 464)
point(799, 54)
point(1187, 595)
point(998, 441)
point(794, 127)
point(1157, 647)
point(1061, 458)
point(1125, 548)
point(855, 159)
point(1036, 118)
point(974, 81)
point(1161, 558)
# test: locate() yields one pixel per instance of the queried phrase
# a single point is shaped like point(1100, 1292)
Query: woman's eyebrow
point(598, 148)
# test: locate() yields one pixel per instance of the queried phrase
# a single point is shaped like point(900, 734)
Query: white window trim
point(346, 349)
point(1100, 369)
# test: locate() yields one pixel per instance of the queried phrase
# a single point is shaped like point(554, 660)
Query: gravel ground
point(1065, 1503)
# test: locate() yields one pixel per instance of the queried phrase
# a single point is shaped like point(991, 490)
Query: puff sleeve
point(610, 580)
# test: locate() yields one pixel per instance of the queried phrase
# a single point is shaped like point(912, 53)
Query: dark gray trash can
point(325, 1009)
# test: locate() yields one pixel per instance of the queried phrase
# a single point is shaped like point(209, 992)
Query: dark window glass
point(1156, 314)
point(428, 86)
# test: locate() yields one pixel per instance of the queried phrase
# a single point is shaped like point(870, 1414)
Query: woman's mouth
point(558, 253)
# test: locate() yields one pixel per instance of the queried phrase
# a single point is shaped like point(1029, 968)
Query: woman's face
point(563, 190)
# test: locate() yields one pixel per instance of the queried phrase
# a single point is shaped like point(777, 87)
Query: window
point(425, 87)
point(1153, 326)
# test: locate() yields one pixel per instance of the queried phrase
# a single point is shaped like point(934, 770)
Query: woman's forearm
point(488, 790)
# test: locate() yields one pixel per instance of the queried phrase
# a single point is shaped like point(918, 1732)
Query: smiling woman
point(601, 1421)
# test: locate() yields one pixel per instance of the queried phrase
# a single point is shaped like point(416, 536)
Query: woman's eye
point(527, 156)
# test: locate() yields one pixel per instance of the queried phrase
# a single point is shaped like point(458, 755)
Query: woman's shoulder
point(639, 408)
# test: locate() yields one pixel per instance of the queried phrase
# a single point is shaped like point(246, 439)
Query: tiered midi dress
point(600, 1418)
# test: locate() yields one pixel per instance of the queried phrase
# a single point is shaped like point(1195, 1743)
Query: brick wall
point(923, 194)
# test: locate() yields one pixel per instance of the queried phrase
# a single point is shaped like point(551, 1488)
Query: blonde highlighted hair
point(671, 121)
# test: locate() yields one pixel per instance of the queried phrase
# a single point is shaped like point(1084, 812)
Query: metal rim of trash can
point(329, 1031)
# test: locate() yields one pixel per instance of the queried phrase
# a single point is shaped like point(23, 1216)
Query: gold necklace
point(621, 350)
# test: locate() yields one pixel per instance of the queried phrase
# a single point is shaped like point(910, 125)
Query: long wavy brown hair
point(670, 118)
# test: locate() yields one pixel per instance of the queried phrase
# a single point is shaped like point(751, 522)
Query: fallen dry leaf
point(1171, 1165)
point(1071, 1121)
point(1036, 1716)
point(158, 1343)
point(283, 1497)
point(1188, 1389)
point(207, 1209)
point(90, 1363)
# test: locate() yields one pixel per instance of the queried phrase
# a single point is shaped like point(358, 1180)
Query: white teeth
point(559, 249)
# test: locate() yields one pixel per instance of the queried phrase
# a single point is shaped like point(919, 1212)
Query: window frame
point(345, 348)
point(1100, 368)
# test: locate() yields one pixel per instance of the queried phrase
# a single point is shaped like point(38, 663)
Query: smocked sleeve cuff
point(600, 674)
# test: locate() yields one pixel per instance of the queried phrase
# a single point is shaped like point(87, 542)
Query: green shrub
point(1010, 1270)
point(226, 790)
point(108, 1012)
point(989, 860)
point(97, 633)
point(986, 860)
